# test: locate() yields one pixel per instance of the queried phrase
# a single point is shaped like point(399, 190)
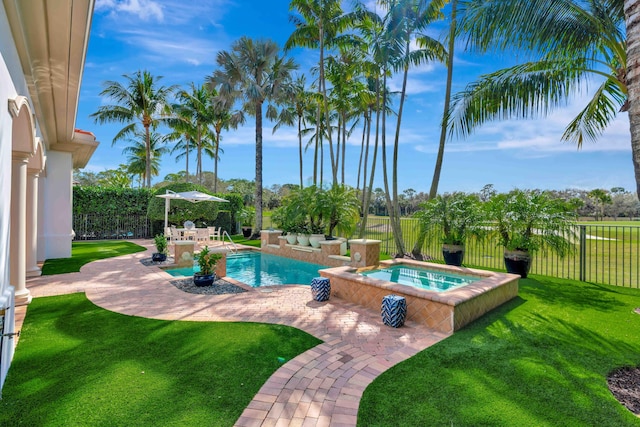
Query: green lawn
point(239, 239)
point(79, 365)
point(86, 252)
point(540, 360)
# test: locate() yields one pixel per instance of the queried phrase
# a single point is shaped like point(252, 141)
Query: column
point(32, 268)
point(18, 231)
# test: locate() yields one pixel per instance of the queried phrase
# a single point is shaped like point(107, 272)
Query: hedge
point(111, 201)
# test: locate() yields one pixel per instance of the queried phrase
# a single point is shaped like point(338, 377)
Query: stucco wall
point(57, 202)
point(7, 91)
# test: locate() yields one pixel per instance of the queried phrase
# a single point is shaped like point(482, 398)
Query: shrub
point(207, 261)
point(161, 243)
point(111, 201)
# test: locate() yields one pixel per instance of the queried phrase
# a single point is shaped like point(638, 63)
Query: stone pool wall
point(363, 252)
point(443, 311)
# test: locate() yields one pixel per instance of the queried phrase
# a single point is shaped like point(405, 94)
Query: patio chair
point(214, 233)
point(202, 234)
point(175, 234)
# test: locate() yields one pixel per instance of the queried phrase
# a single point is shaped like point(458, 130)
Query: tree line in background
point(564, 43)
point(598, 203)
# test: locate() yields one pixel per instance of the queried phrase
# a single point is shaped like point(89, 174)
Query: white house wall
point(7, 91)
point(57, 202)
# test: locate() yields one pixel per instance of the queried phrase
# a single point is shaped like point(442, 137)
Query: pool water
point(257, 269)
point(422, 278)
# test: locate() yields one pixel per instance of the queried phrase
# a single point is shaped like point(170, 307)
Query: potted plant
point(452, 218)
point(246, 216)
point(527, 221)
point(340, 208)
point(161, 248)
point(286, 218)
point(317, 235)
point(207, 262)
point(304, 233)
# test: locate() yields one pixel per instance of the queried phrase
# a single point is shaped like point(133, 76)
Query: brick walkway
point(320, 387)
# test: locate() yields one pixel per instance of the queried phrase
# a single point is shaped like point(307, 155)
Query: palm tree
point(254, 72)
point(632, 11)
point(182, 133)
point(319, 26)
point(140, 101)
point(294, 113)
point(435, 181)
point(222, 119)
point(372, 27)
point(407, 19)
point(196, 112)
point(144, 157)
point(569, 41)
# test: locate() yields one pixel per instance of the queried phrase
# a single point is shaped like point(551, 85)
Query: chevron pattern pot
point(394, 310)
point(320, 288)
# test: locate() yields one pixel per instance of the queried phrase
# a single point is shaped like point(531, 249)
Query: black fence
point(98, 227)
point(608, 254)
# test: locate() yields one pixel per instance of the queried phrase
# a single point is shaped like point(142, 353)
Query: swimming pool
point(257, 269)
point(422, 278)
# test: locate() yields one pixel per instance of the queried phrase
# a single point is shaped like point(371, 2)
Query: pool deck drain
point(320, 387)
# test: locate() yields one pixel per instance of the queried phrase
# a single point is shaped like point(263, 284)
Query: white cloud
point(170, 47)
point(145, 10)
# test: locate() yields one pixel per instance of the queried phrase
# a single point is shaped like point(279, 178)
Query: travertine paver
point(320, 387)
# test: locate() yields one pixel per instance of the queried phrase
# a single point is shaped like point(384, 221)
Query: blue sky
point(179, 40)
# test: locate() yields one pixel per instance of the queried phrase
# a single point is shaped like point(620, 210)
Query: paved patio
point(320, 387)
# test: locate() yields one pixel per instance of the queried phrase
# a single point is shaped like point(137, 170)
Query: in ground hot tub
point(442, 297)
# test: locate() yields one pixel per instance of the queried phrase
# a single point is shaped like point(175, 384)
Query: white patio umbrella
point(190, 196)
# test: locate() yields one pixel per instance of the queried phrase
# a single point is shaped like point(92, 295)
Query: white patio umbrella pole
point(166, 212)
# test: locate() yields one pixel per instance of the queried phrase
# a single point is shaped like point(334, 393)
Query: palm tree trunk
point(323, 87)
point(395, 218)
point(321, 160)
point(186, 176)
point(364, 130)
point(300, 148)
point(338, 144)
point(258, 201)
point(367, 200)
point(147, 169)
point(632, 15)
point(385, 175)
point(317, 147)
point(199, 159)
point(447, 99)
point(215, 163)
point(367, 122)
point(344, 143)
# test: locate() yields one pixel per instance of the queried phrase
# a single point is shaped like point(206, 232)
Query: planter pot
point(203, 279)
point(517, 262)
point(246, 232)
point(453, 254)
point(303, 239)
point(158, 257)
point(315, 240)
point(292, 239)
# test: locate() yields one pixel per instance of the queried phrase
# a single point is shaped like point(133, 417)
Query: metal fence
point(606, 254)
point(93, 227)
